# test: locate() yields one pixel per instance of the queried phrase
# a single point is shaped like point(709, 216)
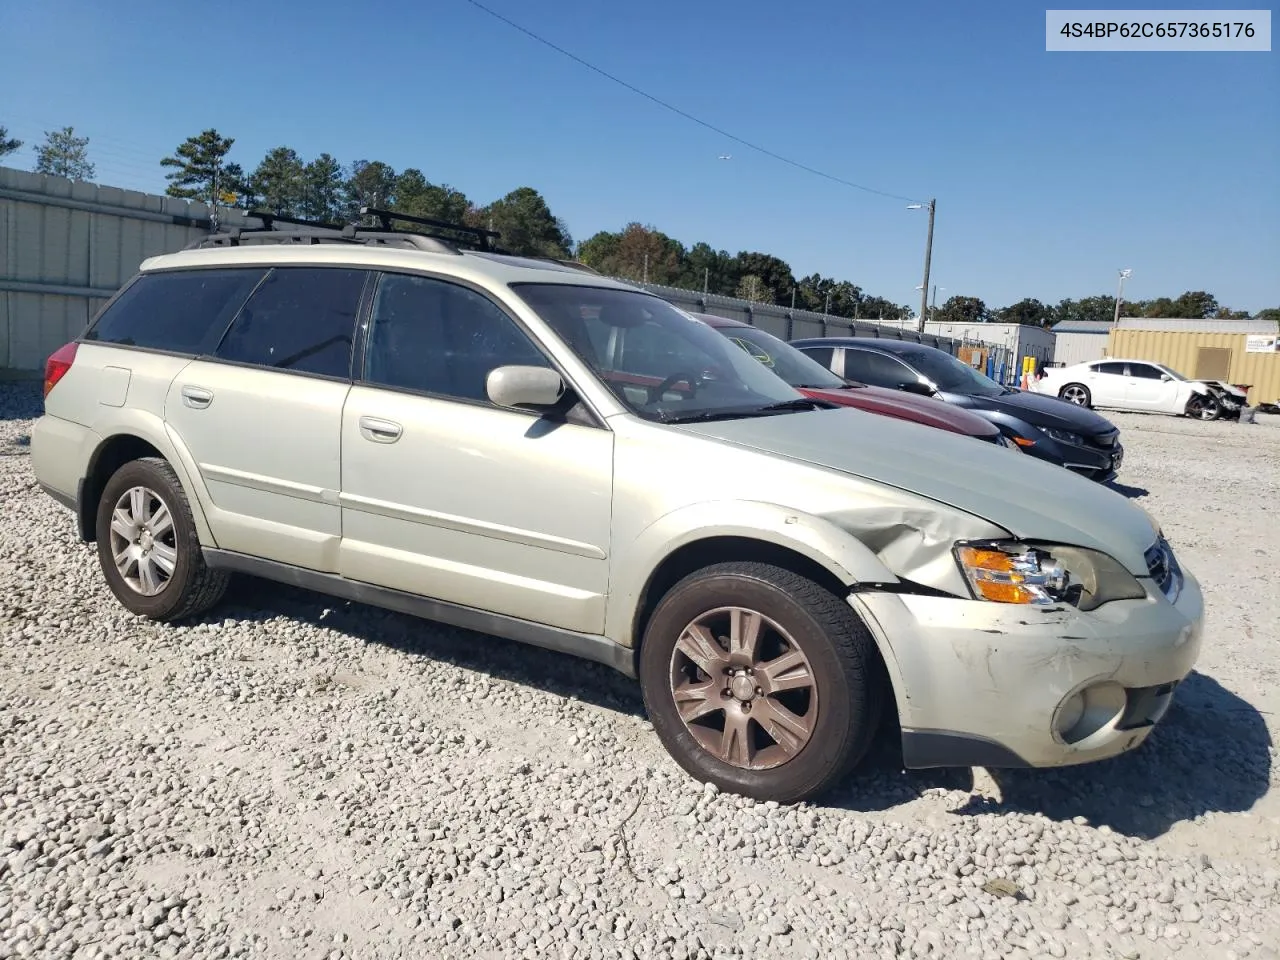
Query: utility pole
point(646, 268)
point(928, 255)
point(826, 307)
point(1124, 275)
point(793, 298)
point(706, 279)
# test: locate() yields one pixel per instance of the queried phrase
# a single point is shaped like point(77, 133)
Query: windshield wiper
point(707, 415)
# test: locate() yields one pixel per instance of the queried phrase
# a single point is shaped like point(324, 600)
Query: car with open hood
point(819, 383)
point(532, 451)
point(1045, 427)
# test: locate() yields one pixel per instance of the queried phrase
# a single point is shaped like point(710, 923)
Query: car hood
point(1030, 498)
point(905, 406)
point(1041, 410)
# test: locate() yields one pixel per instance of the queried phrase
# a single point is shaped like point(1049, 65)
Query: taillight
point(57, 365)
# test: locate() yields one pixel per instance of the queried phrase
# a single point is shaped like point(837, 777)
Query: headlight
point(1063, 436)
point(1008, 571)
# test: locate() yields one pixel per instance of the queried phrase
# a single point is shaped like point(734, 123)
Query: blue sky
point(1050, 170)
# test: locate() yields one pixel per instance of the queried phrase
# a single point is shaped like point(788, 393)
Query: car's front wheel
point(760, 681)
point(1204, 407)
point(148, 545)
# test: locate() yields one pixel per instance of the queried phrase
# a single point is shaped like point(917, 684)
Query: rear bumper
point(987, 684)
point(60, 453)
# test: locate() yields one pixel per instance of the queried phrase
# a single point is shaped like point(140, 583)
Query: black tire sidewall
point(174, 594)
point(838, 699)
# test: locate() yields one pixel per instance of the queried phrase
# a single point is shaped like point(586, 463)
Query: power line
point(688, 116)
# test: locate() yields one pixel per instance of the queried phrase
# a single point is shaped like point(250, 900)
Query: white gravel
point(299, 777)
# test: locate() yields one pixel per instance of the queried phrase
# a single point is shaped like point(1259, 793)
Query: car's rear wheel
point(760, 681)
point(1076, 393)
point(148, 546)
point(1204, 407)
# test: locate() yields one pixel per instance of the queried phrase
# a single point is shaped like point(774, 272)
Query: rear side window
point(876, 369)
point(301, 319)
point(823, 355)
point(1113, 368)
point(183, 311)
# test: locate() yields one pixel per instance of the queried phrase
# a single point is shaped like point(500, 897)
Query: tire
point(1078, 394)
point(1204, 407)
point(189, 587)
point(841, 704)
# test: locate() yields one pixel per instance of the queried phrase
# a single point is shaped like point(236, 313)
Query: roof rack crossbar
point(313, 235)
point(386, 217)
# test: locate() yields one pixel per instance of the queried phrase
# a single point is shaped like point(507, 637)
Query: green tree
point(526, 224)
point(774, 273)
point(1028, 311)
point(322, 189)
point(753, 288)
point(369, 184)
point(1086, 310)
point(637, 252)
point(419, 197)
point(199, 169)
point(964, 310)
point(717, 270)
point(235, 188)
point(1269, 315)
point(7, 144)
point(63, 154)
point(278, 182)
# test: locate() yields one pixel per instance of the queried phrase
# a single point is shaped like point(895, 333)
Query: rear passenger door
point(446, 495)
point(261, 416)
point(1107, 384)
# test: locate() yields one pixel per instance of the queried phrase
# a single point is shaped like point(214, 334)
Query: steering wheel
point(655, 393)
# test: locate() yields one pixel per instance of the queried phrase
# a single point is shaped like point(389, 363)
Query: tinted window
point(951, 375)
point(823, 355)
point(1145, 371)
point(875, 368)
point(180, 311)
point(441, 338)
point(300, 319)
point(1114, 368)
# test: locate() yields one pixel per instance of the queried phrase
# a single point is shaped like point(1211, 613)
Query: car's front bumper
point(988, 684)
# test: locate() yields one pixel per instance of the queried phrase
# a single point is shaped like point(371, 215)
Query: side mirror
point(527, 388)
point(1165, 377)
point(915, 386)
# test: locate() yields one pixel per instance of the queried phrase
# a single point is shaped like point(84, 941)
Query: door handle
point(197, 397)
point(380, 431)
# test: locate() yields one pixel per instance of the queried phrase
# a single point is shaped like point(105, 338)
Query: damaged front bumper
point(1010, 685)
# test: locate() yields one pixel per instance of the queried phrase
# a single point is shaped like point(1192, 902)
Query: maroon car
point(817, 382)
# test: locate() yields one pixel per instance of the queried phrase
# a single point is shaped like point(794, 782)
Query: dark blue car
point(1042, 426)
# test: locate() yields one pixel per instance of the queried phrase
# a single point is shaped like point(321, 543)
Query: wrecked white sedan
point(1143, 387)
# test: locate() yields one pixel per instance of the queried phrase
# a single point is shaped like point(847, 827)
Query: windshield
point(782, 358)
point(950, 375)
point(657, 360)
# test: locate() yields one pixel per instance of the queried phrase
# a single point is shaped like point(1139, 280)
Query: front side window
point(950, 375)
point(659, 362)
point(301, 319)
point(435, 337)
point(175, 310)
point(1145, 371)
point(783, 359)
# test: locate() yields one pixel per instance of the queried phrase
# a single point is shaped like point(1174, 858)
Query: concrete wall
point(65, 247)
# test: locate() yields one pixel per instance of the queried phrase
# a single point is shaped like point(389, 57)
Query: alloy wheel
point(744, 688)
point(1076, 395)
point(143, 540)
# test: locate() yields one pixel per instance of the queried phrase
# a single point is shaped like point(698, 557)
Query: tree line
point(325, 189)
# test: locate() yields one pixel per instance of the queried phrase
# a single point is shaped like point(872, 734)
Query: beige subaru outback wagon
point(534, 451)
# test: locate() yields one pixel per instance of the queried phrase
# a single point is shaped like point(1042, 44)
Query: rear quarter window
point(183, 311)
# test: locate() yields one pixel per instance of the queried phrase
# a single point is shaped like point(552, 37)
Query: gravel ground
point(299, 777)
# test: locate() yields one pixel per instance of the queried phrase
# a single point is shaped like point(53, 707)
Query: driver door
point(1146, 388)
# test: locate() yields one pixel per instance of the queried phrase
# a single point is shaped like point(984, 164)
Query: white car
point(1139, 385)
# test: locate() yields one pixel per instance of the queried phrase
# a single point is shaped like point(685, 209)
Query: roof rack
point(482, 239)
point(319, 231)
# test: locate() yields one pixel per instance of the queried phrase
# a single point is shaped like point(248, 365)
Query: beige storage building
point(1237, 351)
